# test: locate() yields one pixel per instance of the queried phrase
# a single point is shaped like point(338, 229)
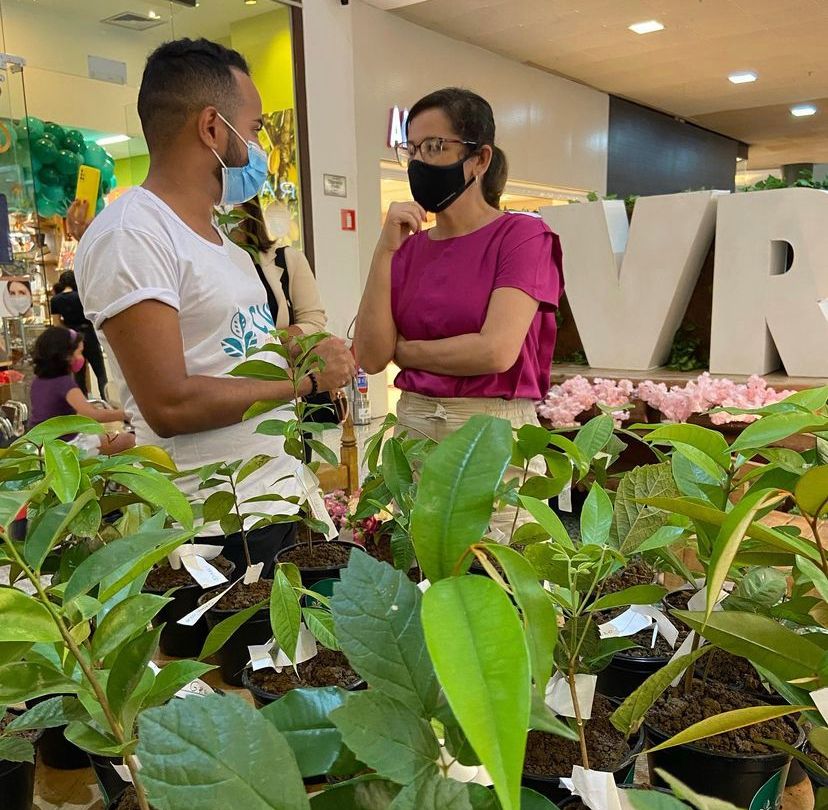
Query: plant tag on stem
point(205, 550)
point(820, 698)
point(196, 688)
point(627, 623)
point(313, 495)
point(684, 649)
point(253, 573)
point(565, 499)
point(122, 770)
point(200, 570)
point(698, 601)
point(424, 585)
point(559, 697)
point(597, 789)
point(305, 650)
point(666, 629)
point(260, 656)
point(191, 618)
point(499, 537)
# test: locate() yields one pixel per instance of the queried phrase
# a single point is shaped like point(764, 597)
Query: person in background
point(57, 356)
point(17, 297)
point(466, 309)
point(67, 311)
point(179, 305)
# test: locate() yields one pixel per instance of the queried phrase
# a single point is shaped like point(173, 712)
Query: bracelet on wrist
point(314, 384)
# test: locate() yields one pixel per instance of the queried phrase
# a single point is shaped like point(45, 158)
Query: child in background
point(57, 356)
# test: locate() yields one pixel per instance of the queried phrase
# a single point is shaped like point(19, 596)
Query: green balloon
point(68, 163)
point(95, 156)
point(99, 206)
point(46, 207)
point(107, 172)
point(30, 127)
point(54, 193)
point(56, 131)
point(106, 185)
point(50, 136)
point(45, 151)
point(49, 176)
point(74, 144)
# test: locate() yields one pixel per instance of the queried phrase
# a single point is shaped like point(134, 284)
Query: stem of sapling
point(579, 720)
point(242, 530)
point(688, 675)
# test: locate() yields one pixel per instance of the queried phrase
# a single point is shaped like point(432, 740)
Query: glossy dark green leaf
point(774, 428)
point(23, 618)
point(52, 713)
point(16, 749)
point(634, 521)
point(63, 467)
point(592, 438)
point(320, 622)
point(129, 667)
point(260, 370)
point(125, 620)
point(433, 793)
point(24, 680)
point(51, 528)
point(158, 491)
point(60, 426)
point(548, 520)
point(217, 505)
point(173, 676)
point(710, 442)
point(596, 517)
point(368, 792)
point(634, 595)
point(285, 614)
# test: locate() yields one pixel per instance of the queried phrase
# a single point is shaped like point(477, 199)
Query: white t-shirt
point(138, 249)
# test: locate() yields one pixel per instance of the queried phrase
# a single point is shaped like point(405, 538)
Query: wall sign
point(335, 185)
point(396, 126)
point(347, 219)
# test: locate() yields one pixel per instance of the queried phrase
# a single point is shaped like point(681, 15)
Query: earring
point(477, 179)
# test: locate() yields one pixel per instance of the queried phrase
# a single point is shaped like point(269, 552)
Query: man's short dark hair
point(182, 77)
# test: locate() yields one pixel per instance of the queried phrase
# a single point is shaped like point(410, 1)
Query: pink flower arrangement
point(341, 508)
point(565, 402)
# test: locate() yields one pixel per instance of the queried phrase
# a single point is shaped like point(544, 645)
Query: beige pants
point(437, 418)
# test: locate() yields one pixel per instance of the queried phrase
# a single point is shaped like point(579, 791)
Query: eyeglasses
point(430, 150)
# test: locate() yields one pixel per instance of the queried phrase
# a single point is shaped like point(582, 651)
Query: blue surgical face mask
point(241, 183)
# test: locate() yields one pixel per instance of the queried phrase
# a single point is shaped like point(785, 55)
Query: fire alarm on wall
point(347, 219)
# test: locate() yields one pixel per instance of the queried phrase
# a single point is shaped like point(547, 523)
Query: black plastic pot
point(735, 778)
point(16, 785)
point(234, 655)
point(54, 750)
point(262, 698)
point(625, 674)
point(310, 576)
point(178, 640)
point(110, 783)
point(550, 786)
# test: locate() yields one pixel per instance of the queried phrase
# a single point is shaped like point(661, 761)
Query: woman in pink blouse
point(467, 308)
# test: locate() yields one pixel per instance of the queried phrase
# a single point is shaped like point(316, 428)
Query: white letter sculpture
point(629, 285)
point(762, 313)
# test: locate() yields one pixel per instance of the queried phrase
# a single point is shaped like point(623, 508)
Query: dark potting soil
point(326, 668)
point(243, 596)
point(644, 639)
point(320, 555)
point(127, 800)
point(637, 572)
point(163, 577)
point(820, 760)
point(673, 712)
point(572, 524)
point(548, 755)
point(8, 717)
point(731, 670)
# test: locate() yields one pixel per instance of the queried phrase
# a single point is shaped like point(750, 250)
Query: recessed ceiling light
point(153, 15)
point(110, 139)
point(250, 2)
point(803, 110)
point(647, 27)
point(742, 78)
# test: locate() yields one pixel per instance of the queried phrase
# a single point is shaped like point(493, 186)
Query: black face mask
point(437, 187)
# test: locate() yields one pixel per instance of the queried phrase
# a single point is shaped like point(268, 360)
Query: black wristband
point(314, 384)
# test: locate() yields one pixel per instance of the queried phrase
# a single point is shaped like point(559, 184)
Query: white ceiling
point(682, 70)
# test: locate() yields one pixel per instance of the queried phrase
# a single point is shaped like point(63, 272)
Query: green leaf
point(546, 518)
point(663, 537)
point(386, 647)
point(396, 471)
point(542, 718)
point(592, 438)
point(173, 677)
point(644, 799)
point(24, 618)
point(540, 620)
point(695, 799)
point(812, 491)
point(629, 716)
point(797, 755)
point(703, 462)
point(25, 680)
point(216, 751)
point(60, 426)
point(129, 667)
point(52, 713)
point(815, 575)
point(635, 521)
point(321, 624)
point(761, 640)
point(16, 749)
point(92, 740)
point(252, 465)
point(531, 441)
point(479, 652)
point(260, 370)
point(760, 588)
point(261, 407)
point(456, 494)
point(634, 595)
point(596, 517)
point(63, 468)
point(709, 442)
point(367, 792)
point(285, 614)
point(727, 721)
point(158, 491)
point(387, 736)
point(230, 524)
point(727, 543)
point(323, 451)
point(51, 528)
point(433, 793)
point(124, 621)
point(302, 716)
point(774, 428)
point(218, 635)
point(139, 551)
point(542, 488)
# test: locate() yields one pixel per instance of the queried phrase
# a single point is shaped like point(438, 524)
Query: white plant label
point(200, 570)
point(698, 601)
point(193, 616)
point(305, 650)
point(313, 495)
point(597, 789)
point(122, 770)
point(627, 623)
point(499, 537)
point(205, 550)
point(665, 628)
point(261, 656)
point(565, 499)
point(820, 698)
point(468, 774)
point(559, 697)
point(253, 573)
point(684, 649)
point(196, 688)
point(424, 585)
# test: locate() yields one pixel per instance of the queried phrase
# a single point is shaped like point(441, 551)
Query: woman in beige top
point(282, 270)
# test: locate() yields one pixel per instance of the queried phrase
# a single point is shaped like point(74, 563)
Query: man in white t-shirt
point(179, 304)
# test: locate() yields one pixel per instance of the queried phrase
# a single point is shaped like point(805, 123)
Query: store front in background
point(69, 80)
